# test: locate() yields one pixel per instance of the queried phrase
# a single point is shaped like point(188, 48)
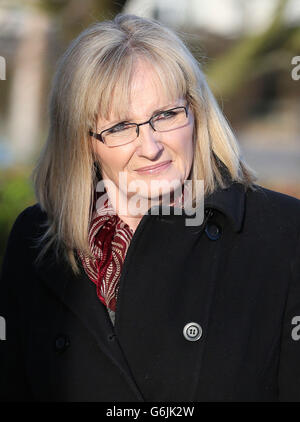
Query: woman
point(196, 312)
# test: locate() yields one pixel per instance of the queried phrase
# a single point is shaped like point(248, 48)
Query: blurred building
point(23, 44)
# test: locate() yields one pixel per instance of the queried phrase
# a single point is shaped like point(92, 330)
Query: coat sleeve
point(13, 385)
point(289, 364)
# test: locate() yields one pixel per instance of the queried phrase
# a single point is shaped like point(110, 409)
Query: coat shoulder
point(28, 224)
point(275, 196)
point(33, 212)
point(275, 206)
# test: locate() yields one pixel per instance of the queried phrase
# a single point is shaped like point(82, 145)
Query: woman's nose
point(148, 142)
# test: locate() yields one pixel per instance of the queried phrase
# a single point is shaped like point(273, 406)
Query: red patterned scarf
point(109, 239)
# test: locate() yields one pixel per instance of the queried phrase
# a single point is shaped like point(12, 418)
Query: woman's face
point(151, 147)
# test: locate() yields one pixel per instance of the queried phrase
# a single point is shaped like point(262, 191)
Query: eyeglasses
point(124, 132)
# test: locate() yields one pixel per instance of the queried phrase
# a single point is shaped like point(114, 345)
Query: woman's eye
point(166, 115)
point(118, 128)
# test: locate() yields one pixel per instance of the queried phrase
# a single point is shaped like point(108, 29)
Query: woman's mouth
point(157, 168)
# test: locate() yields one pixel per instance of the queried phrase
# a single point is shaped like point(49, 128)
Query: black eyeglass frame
point(99, 137)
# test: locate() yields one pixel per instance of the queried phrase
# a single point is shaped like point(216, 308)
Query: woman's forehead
point(146, 93)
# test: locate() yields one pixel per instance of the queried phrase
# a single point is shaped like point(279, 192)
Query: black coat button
point(62, 342)
point(213, 231)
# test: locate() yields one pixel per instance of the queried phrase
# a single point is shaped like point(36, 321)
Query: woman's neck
point(122, 207)
point(132, 222)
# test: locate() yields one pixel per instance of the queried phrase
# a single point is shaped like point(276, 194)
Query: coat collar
point(229, 201)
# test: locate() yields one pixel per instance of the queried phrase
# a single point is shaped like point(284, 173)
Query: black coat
point(237, 276)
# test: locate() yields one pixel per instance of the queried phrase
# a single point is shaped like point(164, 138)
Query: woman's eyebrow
point(164, 108)
point(114, 123)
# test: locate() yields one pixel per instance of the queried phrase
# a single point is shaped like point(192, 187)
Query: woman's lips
point(154, 169)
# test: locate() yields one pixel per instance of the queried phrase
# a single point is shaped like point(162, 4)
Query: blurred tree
point(16, 193)
point(254, 55)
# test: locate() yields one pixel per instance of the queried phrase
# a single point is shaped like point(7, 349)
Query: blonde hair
point(98, 63)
